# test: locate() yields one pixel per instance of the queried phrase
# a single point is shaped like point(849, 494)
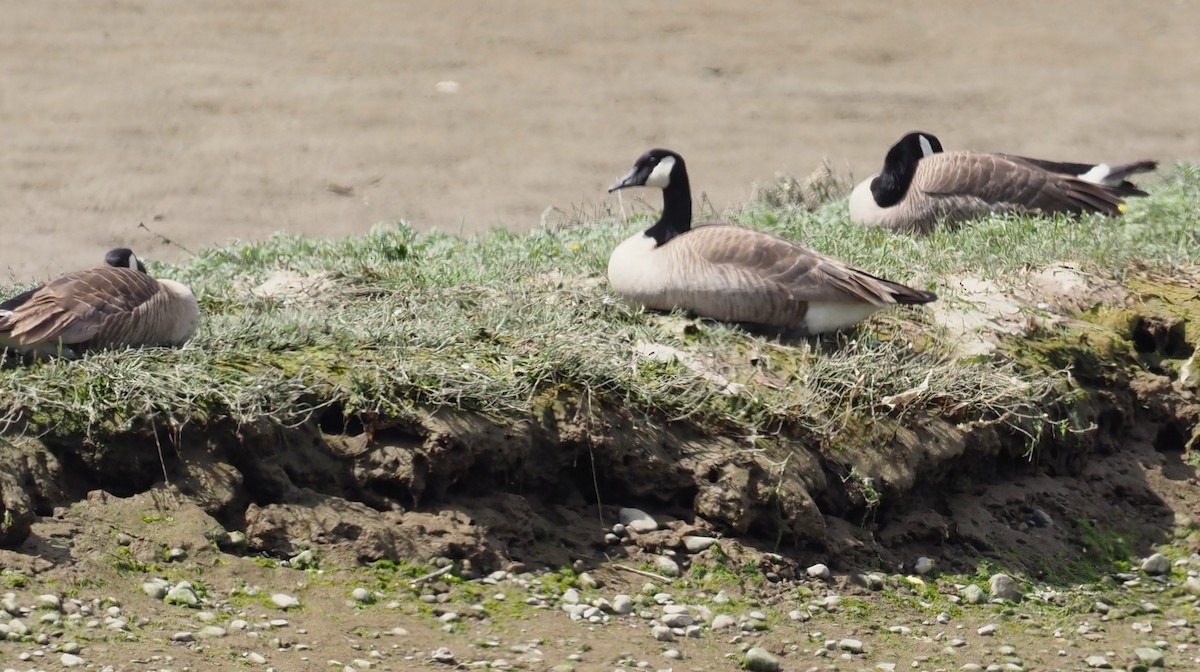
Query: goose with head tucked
point(921, 186)
point(737, 274)
point(113, 306)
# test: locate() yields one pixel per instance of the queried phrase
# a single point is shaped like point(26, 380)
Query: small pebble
point(1156, 565)
point(850, 645)
point(284, 601)
point(758, 659)
point(666, 566)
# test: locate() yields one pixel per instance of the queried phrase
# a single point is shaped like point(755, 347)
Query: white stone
point(819, 571)
point(924, 565)
point(284, 601)
point(622, 604)
point(637, 520)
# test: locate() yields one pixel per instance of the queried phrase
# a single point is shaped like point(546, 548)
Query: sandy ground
point(227, 119)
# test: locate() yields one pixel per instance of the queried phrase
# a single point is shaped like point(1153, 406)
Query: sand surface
point(219, 120)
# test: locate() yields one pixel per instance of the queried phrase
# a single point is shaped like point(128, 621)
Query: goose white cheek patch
point(133, 261)
point(926, 146)
point(661, 175)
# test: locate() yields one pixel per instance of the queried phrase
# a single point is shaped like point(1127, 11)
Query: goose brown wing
point(79, 306)
point(752, 259)
point(1005, 183)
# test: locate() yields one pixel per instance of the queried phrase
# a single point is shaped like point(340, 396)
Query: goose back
point(104, 307)
point(953, 187)
point(736, 274)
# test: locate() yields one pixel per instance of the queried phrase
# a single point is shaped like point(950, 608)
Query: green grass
point(502, 324)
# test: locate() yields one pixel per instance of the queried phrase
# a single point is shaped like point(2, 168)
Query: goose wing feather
point(92, 305)
point(1005, 184)
point(757, 264)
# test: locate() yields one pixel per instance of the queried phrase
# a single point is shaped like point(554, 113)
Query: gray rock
point(819, 571)
point(622, 604)
point(571, 596)
point(284, 601)
point(723, 621)
point(256, 658)
point(361, 595)
point(666, 566)
point(1150, 657)
point(673, 654)
point(156, 589)
point(924, 565)
point(637, 520)
point(1003, 587)
point(1156, 565)
point(182, 595)
point(71, 660)
point(678, 620)
point(972, 594)
point(183, 637)
point(662, 633)
point(588, 581)
point(758, 659)
point(987, 630)
point(1192, 586)
point(870, 581)
point(851, 645)
point(695, 544)
point(211, 632)
point(1041, 519)
point(50, 600)
point(1099, 662)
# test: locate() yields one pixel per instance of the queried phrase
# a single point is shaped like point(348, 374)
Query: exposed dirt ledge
point(883, 488)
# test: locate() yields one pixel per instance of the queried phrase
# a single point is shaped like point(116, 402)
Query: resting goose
point(920, 185)
point(735, 274)
point(112, 306)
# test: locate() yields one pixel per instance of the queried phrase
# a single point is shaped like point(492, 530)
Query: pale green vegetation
point(500, 323)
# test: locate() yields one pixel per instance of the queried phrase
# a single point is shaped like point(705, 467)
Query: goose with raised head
point(921, 185)
point(112, 306)
point(737, 274)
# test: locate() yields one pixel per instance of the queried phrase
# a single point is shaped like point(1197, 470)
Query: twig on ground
point(432, 575)
point(639, 572)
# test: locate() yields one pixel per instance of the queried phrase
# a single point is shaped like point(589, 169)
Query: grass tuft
point(392, 321)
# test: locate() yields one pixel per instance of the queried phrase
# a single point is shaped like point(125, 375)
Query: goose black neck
point(677, 208)
point(893, 181)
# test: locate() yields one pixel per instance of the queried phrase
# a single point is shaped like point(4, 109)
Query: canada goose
point(735, 274)
point(112, 306)
point(921, 184)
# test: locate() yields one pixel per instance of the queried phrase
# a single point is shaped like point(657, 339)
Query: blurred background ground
point(230, 119)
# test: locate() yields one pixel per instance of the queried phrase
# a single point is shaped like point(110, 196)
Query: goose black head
point(655, 168)
point(900, 166)
point(913, 147)
point(123, 257)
